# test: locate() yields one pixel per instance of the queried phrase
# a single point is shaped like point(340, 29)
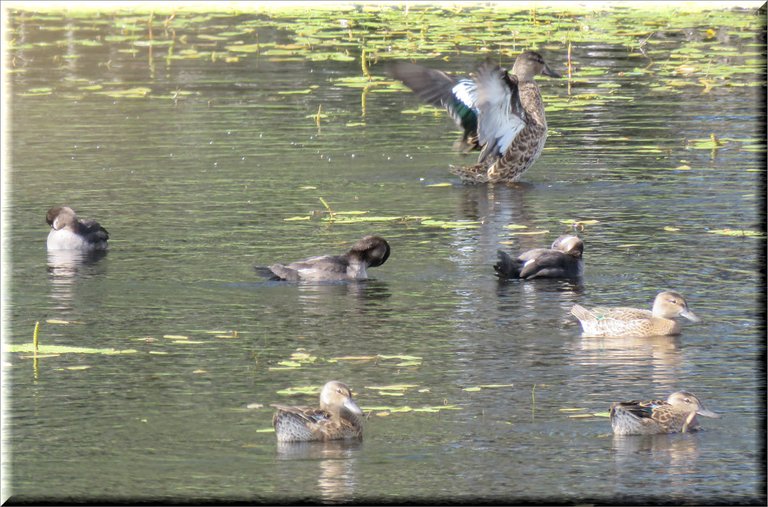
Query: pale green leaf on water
point(391, 393)
point(571, 221)
point(683, 167)
point(295, 92)
point(393, 387)
point(572, 409)
point(515, 226)
point(473, 389)
point(435, 185)
point(308, 187)
point(306, 390)
point(296, 219)
point(445, 224)
point(176, 337)
point(409, 363)
point(436, 408)
point(352, 358)
point(76, 368)
point(243, 48)
point(580, 416)
point(57, 321)
point(737, 233)
point(628, 245)
point(529, 233)
point(669, 228)
point(290, 364)
point(63, 349)
point(186, 342)
point(265, 430)
point(495, 386)
point(602, 414)
point(158, 352)
point(137, 92)
point(402, 358)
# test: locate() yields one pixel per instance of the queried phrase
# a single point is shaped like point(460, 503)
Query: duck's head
point(569, 244)
point(530, 64)
point(336, 398)
point(373, 250)
point(670, 304)
point(689, 402)
point(59, 217)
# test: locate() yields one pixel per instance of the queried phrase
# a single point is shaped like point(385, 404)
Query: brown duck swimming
point(562, 260)
point(501, 113)
point(676, 415)
point(337, 418)
point(624, 321)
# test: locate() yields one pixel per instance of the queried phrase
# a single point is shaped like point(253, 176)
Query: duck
point(68, 232)
point(633, 322)
point(562, 260)
point(337, 418)
point(500, 111)
point(675, 415)
point(368, 252)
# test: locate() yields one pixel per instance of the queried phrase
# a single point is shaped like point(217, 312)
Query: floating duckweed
point(392, 387)
point(737, 233)
point(529, 233)
point(306, 390)
point(138, 92)
point(63, 349)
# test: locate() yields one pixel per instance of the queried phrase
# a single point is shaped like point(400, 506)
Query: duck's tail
point(507, 267)
point(582, 313)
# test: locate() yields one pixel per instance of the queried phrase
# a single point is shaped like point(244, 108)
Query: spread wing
point(458, 96)
point(500, 114)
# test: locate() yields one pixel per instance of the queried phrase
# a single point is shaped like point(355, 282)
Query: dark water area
point(492, 390)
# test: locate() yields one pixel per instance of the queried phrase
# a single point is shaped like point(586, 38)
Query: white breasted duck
point(68, 232)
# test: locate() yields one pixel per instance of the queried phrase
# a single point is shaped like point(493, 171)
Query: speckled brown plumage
point(675, 415)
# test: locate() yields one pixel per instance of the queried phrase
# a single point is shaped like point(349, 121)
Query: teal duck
point(562, 260)
point(369, 252)
point(68, 232)
point(337, 418)
point(633, 322)
point(500, 112)
point(675, 415)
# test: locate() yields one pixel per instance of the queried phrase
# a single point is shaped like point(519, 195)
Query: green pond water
point(207, 141)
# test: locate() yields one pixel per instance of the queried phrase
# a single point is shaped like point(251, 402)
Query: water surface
point(195, 180)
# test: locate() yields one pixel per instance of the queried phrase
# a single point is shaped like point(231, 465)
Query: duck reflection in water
point(337, 480)
point(65, 267)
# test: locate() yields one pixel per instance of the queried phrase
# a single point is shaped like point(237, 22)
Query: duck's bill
point(549, 72)
point(690, 316)
point(708, 413)
point(350, 405)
